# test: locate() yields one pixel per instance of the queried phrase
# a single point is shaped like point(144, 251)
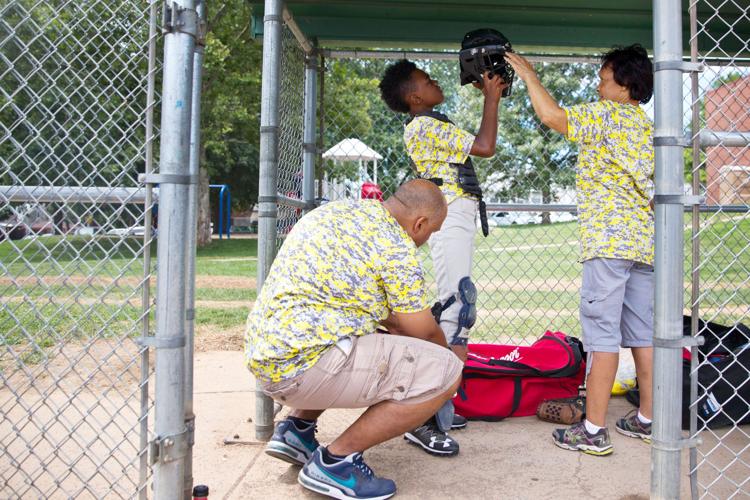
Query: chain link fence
point(291, 117)
point(526, 270)
point(718, 243)
point(77, 100)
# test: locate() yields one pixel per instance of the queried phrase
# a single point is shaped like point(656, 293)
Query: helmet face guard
point(483, 51)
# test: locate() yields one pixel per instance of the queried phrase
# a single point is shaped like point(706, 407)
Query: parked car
point(128, 231)
point(563, 216)
point(12, 230)
point(497, 219)
point(27, 220)
point(526, 218)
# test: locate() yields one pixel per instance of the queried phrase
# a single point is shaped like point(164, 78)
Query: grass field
point(57, 289)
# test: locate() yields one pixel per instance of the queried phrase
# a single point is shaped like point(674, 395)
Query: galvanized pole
point(269, 159)
point(170, 444)
point(310, 146)
point(191, 242)
point(696, 247)
point(148, 237)
point(321, 119)
point(668, 144)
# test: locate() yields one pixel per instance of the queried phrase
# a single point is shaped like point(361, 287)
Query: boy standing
point(616, 229)
point(438, 150)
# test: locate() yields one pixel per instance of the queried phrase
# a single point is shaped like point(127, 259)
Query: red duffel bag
point(501, 381)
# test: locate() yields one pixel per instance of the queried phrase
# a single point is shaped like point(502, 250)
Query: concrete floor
point(514, 458)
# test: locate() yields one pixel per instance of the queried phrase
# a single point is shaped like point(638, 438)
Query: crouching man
point(311, 340)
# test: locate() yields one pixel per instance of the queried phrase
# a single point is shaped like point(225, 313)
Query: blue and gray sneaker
point(291, 444)
point(348, 479)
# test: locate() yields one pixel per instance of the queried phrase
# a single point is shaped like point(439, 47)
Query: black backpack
point(723, 376)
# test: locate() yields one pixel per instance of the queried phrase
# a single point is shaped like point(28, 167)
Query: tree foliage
point(529, 158)
point(230, 112)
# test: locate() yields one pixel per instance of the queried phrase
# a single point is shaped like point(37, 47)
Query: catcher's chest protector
point(501, 381)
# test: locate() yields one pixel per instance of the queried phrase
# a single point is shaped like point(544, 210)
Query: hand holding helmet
point(483, 51)
point(492, 86)
point(521, 66)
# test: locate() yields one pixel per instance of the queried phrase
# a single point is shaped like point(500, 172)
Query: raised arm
point(484, 143)
point(545, 107)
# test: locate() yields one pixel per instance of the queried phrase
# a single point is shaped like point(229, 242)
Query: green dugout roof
point(567, 26)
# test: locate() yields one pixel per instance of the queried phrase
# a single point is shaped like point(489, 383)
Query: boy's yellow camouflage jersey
point(342, 268)
point(433, 145)
point(614, 180)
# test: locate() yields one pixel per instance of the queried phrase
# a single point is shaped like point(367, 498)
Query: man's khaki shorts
point(377, 367)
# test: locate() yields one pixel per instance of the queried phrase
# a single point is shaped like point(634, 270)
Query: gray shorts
point(617, 304)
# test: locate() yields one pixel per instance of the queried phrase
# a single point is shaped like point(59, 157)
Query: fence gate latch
point(166, 449)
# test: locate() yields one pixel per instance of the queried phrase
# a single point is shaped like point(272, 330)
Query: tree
point(73, 98)
point(230, 109)
point(529, 157)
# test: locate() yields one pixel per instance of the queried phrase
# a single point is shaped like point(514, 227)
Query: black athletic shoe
point(432, 440)
point(459, 422)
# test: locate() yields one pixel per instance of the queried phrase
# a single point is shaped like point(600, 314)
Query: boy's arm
point(545, 106)
point(484, 142)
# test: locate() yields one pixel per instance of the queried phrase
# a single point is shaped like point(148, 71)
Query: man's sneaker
point(576, 438)
point(349, 478)
point(459, 422)
point(630, 425)
point(292, 445)
point(433, 440)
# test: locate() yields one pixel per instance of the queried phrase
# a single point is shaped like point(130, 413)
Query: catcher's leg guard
point(467, 316)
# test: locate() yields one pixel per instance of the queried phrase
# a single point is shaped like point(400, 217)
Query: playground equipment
point(224, 188)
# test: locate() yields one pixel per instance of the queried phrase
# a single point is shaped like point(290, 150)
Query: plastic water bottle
point(625, 378)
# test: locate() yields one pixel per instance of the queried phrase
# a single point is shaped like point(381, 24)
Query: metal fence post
point(668, 144)
point(310, 146)
point(695, 238)
point(148, 237)
point(169, 447)
point(269, 134)
point(194, 167)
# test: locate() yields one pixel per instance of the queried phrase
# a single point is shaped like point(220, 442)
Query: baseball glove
point(562, 411)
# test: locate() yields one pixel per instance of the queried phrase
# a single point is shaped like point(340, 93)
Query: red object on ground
point(502, 381)
point(371, 191)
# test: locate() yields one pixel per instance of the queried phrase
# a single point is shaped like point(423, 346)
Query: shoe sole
point(458, 427)
point(331, 490)
point(646, 438)
point(286, 453)
point(410, 438)
point(589, 450)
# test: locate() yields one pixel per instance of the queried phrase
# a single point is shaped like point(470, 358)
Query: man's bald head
point(422, 196)
point(420, 207)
